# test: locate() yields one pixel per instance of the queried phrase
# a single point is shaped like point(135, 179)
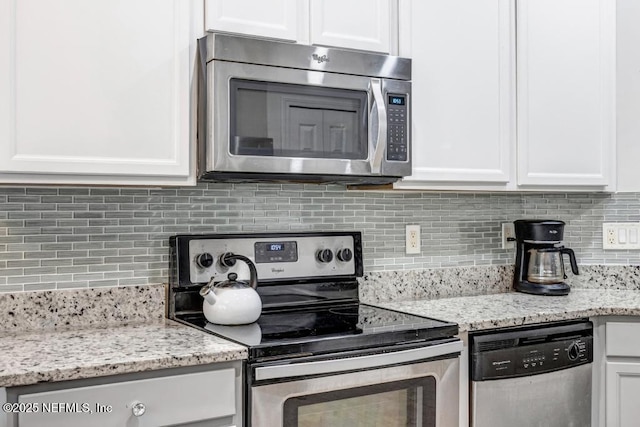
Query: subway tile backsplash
point(55, 238)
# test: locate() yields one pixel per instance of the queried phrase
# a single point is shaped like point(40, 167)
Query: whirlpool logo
point(277, 270)
point(320, 59)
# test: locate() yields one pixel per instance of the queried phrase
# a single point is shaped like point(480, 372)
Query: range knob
point(344, 255)
point(573, 351)
point(227, 259)
point(204, 260)
point(324, 256)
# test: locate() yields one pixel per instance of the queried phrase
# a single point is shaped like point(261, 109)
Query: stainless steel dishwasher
point(533, 376)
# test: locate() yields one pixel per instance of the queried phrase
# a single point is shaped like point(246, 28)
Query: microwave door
point(287, 121)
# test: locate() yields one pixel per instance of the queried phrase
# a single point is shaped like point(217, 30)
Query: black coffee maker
point(539, 262)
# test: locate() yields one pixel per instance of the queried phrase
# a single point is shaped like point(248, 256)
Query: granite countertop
point(33, 357)
point(65, 335)
point(92, 332)
point(513, 309)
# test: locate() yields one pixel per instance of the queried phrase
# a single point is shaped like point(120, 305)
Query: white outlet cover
point(621, 235)
point(508, 230)
point(412, 239)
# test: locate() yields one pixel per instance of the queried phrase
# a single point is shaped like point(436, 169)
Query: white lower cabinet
point(622, 366)
point(623, 390)
point(209, 398)
point(4, 416)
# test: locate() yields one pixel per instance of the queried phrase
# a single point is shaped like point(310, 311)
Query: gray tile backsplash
point(77, 237)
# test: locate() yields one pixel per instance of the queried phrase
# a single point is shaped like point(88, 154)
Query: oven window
point(287, 120)
point(409, 403)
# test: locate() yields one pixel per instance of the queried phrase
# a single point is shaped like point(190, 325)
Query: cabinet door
point(628, 95)
point(164, 401)
point(279, 19)
point(566, 92)
point(95, 91)
point(622, 391)
point(462, 89)
point(355, 24)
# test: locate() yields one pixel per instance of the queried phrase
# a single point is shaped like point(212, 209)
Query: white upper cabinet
point(628, 95)
point(566, 92)
point(354, 24)
point(97, 91)
point(463, 90)
point(277, 19)
point(475, 128)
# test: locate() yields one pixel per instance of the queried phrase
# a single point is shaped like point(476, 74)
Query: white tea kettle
point(232, 302)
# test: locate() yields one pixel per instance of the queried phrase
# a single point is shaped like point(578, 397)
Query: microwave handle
point(377, 137)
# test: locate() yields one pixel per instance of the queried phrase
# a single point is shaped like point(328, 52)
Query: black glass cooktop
point(326, 329)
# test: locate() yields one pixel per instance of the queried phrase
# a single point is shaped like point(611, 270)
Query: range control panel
point(284, 256)
point(523, 359)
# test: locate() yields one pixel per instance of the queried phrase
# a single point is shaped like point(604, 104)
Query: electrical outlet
point(621, 235)
point(413, 239)
point(508, 232)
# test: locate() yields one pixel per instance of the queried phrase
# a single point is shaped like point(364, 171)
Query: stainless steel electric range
point(317, 356)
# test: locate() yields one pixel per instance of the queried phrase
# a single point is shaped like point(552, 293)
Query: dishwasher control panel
point(530, 352)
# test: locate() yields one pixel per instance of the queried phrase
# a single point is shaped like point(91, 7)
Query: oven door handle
point(357, 363)
point(377, 127)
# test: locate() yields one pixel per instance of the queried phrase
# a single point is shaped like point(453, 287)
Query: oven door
point(274, 120)
point(417, 387)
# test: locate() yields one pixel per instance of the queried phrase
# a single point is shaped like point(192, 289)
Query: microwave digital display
point(396, 100)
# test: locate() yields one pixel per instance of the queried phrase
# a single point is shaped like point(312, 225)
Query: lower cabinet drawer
point(622, 339)
point(154, 402)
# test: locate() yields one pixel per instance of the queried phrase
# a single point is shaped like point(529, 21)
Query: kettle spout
point(207, 293)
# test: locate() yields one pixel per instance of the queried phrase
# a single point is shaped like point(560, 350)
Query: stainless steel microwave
point(283, 111)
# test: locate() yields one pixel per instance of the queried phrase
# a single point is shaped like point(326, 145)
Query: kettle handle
point(229, 258)
point(572, 259)
point(208, 294)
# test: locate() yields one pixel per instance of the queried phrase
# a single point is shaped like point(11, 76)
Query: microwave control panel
point(397, 127)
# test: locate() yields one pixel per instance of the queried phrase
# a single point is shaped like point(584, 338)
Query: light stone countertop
point(117, 331)
point(474, 313)
point(33, 357)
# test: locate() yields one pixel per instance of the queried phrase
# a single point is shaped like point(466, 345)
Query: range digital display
point(276, 251)
point(396, 100)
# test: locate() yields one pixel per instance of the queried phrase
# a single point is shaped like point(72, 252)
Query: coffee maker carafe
point(539, 262)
